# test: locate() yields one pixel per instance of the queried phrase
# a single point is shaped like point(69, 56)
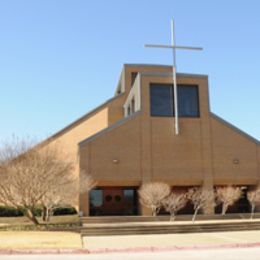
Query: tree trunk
point(29, 214)
point(224, 209)
point(252, 210)
point(195, 214)
point(154, 211)
point(172, 216)
point(48, 214)
point(44, 213)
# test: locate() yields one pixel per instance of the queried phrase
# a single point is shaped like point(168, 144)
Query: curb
point(172, 248)
point(123, 250)
point(49, 251)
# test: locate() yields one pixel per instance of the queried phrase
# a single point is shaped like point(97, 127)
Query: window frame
point(172, 99)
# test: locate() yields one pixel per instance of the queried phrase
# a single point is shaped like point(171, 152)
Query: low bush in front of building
point(64, 211)
point(7, 211)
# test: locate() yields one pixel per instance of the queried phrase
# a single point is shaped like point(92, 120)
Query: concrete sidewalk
point(203, 240)
point(176, 222)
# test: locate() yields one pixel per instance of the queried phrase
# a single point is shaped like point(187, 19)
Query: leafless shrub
point(174, 202)
point(152, 194)
point(87, 183)
point(254, 199)
point(66, 194)
point(227, 196)
point(31, 177)
point(200, 198)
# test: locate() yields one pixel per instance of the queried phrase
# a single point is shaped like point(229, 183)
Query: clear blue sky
point(61, 58)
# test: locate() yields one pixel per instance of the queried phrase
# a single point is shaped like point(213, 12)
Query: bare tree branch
point(31, 177)
point(254, 199)
point(200, 198)
point(174, 202)
point(227, 196)
point(152, 194)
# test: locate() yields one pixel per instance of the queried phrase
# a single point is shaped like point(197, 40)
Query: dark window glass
point(188, 101)
point(96, 198)
point(161, 100)
point(133, 105)
point(133, 77)
point(130, 201)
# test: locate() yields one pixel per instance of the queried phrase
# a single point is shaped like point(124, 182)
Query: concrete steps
point(112, 226)
point(120, 219)
point(129, 229)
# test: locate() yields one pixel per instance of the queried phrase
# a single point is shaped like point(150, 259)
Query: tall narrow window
point(162, 100)
point(129, 110)
point(188, 101)
point(133, 77)
point(133, 105)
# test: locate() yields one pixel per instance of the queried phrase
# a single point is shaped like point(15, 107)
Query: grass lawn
point(25, 221)
point(66, 222)
point(39, 239)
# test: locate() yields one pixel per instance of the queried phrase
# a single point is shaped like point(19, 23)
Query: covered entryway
point(113, 201)
point(240, 206)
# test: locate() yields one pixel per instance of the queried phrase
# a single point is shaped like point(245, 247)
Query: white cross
point(173, 46)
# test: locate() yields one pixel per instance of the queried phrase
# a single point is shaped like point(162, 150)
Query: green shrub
point(7, 211)
point(64, 211)
point(37, 211)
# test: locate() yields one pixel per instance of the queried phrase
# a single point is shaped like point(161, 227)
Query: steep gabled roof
point(234, 128)
point(108, 129)
point(78, 121)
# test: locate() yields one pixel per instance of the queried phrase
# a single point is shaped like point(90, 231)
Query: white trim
point(121, 84)
point(134, 94)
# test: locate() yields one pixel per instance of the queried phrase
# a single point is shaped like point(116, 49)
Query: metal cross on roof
point(174, 47)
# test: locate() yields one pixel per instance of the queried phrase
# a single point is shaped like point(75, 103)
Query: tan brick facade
point(121, 151)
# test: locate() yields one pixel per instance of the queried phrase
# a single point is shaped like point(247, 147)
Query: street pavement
point(212, 254)
point(215, 239)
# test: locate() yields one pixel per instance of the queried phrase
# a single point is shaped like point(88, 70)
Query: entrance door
point(112, 201)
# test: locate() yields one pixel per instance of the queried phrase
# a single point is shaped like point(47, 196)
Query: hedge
point(7, 211)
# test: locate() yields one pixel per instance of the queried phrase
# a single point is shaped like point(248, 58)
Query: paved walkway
point(179, 222)
point(217, 239)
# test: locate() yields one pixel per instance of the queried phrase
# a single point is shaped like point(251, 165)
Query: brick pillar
point(144, 211)
point(84, 204)
point(210, 207)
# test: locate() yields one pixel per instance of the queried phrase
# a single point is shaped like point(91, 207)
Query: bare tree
point(152, 194)
point(254, 199)
point(227, 196)
point(28, 176)
point(61, 196)
point(174, 202)
point(66, 194)
point(200, 198)
point(87, 183)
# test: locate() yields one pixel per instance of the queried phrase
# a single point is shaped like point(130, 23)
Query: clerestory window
point(162, 100)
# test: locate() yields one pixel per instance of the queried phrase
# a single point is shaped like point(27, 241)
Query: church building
point(130, 139)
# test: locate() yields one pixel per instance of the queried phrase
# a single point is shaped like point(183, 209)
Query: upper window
point(162, 100)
